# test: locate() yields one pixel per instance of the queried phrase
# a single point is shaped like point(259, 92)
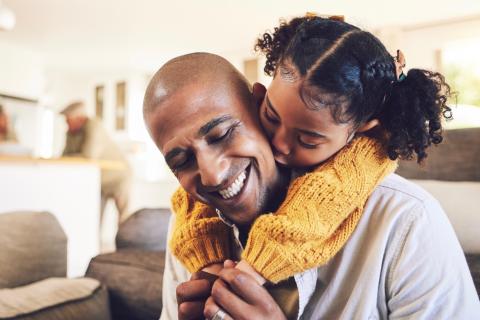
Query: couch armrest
point(134, 280)
point(34, 247)
point(146, 229)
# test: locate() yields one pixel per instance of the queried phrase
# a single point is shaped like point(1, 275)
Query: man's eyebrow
point(312, 133)
point(270, 106)
point(173, 153)
point(212, 124)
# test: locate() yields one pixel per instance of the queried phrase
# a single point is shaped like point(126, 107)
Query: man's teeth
point(234, 188)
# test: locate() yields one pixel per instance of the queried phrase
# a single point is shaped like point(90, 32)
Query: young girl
point(341, 109)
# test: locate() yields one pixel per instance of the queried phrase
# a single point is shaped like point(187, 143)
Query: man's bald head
point(201, 68)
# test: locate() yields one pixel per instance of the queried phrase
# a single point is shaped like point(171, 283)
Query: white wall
point(21, 72)
point(23, 187)
point(422, 43)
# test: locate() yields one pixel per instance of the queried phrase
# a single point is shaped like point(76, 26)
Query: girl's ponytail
point(413, 114)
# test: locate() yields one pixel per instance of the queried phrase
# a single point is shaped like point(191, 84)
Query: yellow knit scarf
point(320, 212)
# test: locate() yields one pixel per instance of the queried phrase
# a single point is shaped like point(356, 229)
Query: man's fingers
point(193, 290)
point(244, 285)
point(195, 276)
point(211, 308)
point(191, 295)
point(229, 301)
point(204, 275)
point(190, 310)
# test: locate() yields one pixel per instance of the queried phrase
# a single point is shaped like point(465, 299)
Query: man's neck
point(276, 194)
point(243, 234)
point(278, 191)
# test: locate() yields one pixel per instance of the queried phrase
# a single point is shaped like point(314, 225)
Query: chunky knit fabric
point(318, 215)
point(199, 236)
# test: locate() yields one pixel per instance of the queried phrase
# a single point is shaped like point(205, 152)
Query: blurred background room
point(102, 54)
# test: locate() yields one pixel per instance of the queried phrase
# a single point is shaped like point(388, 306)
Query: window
point(461, 67)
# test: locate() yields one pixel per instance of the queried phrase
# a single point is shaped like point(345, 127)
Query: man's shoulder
point(398, 189)
point(396, 200)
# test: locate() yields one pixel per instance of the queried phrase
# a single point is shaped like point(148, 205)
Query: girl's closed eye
point(306, 144)
point(308, 141)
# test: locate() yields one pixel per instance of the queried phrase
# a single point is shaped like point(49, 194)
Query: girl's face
point(300, 136)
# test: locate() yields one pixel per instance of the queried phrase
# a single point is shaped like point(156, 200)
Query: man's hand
point(191, 295)
point(241, 297)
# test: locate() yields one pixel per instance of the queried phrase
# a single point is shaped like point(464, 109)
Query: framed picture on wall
point(120, 105)
point(99, 99)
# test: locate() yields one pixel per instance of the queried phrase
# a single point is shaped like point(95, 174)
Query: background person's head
point(3, 121)
point(75, 115)
point(202, 115)
point(332, 80)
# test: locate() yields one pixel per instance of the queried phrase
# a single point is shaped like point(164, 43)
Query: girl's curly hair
point(338, 57)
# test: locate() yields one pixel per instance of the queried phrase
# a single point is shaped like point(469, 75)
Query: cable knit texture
point(199, 237)
point(320, 212)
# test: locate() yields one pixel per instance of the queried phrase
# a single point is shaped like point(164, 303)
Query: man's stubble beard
point(272, 197)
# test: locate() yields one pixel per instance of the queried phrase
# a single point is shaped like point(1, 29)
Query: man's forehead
point(172, 130)
point(198, 102)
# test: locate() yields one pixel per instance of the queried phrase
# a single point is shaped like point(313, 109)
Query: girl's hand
point(213, 268)
point(241, 297)
point(245, 267)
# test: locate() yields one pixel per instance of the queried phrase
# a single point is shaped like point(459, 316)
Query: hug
point(289, 205)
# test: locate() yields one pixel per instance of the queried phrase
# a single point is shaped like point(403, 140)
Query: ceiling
point(141, 34)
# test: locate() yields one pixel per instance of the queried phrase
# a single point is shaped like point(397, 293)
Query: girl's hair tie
point(400, 63)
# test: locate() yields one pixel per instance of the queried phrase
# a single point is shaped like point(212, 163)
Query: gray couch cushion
point(146, 229)
point(457, 158)
point(34, 247)
point(134, 280)
point(473, 261)
point(56, 298)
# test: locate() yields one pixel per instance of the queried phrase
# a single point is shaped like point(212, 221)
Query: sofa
point(133, 273)
point(451, 174)
point(33, 265)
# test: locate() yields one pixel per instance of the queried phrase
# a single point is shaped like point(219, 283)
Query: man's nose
point(212, 168)
point(280, 141)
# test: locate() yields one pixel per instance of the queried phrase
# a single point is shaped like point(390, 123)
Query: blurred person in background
point(7, 134)
point(87, 138)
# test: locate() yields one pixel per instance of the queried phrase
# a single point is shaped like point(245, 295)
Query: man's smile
point(231, 193)
point(234, 188)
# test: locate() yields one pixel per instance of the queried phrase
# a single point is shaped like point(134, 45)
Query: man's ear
point(368, 125)
point(258, 92)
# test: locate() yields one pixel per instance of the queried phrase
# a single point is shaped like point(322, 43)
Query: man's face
point(211, 139)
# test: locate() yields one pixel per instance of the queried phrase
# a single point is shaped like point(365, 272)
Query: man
point(213, 140)
point(6, 132)
point(403, 259)
point(86, 137)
